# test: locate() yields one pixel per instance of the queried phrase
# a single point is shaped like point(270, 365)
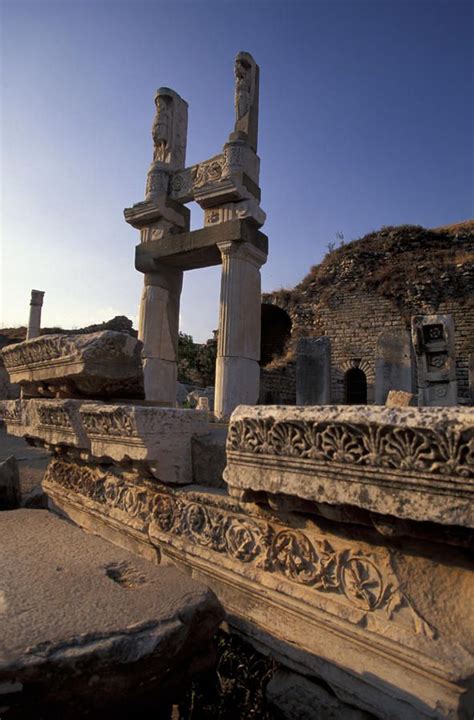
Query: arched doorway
point(355, 387)
point(276, 331)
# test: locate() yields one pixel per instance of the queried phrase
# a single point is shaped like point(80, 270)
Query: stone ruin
point(338, 539)
point(226, 187)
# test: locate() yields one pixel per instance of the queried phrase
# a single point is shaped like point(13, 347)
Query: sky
point(366, 119)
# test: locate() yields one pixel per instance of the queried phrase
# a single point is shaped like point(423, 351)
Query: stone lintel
point(148, 212)
point(198, 248)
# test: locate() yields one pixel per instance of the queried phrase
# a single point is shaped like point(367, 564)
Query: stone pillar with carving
point(433, 341)
point(238, 349)
point(34, 321)
point(157, 218)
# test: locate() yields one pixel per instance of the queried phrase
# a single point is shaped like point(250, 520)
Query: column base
point(160, 377)
point(237, 383)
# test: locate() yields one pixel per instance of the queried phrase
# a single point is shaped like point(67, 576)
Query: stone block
point(394, 364)
point(159, 437)
point(132, 636)
point(412, 463)
point(10, 495)
point(96, 365)
point(209, 457)
point(313, 371)
point(400, 398)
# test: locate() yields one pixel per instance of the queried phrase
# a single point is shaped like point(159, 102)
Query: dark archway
point(355, 387)
point(276, 331)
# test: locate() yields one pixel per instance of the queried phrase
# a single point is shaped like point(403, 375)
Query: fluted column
point(34, 321)
point(238, 349)
point(158, 327)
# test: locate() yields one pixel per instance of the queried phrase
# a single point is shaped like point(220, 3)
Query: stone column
point(158, 330)
point(238, 349)
point(34, 322)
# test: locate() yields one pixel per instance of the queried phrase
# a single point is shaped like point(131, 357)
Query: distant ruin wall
point(353, 321)
point(278, 385)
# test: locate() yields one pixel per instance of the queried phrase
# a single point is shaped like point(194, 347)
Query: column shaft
point(34, 321)
point(238, 350)
point(158, 330)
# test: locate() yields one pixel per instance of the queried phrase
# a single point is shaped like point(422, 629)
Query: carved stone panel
point(414, 463)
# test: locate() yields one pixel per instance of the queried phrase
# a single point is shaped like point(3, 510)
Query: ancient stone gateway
point(226, 186)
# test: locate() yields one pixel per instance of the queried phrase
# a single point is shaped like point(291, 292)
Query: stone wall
point(278, 384)
point(353, 325)
point(352, 311)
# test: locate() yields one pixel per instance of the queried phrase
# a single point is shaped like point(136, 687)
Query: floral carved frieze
point(54, 415)
point(360, 580)
point(116, 422)
point(449, 452)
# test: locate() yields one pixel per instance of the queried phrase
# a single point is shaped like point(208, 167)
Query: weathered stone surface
point(400, 398)
point(295, 697)
point(83, 621)
point(103, 364)
point(209, 457)
point(413, 463)
point(394, 364)
point(375, 619)
point(10, 495)
point(313, 371)
point(433, 340)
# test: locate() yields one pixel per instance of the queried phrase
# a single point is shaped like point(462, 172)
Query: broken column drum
point(226, 187)
point(34, 320)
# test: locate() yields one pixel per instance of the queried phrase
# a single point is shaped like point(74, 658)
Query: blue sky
point(366, 119)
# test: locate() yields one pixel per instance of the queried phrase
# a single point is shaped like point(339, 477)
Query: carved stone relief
point(401, 448)
point(361, 580)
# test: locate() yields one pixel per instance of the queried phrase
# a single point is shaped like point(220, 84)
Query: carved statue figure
point(162, 127)
point(246, 100)
point(243, 86)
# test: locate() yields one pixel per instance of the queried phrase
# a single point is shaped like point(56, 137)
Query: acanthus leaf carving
point(386, 446)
